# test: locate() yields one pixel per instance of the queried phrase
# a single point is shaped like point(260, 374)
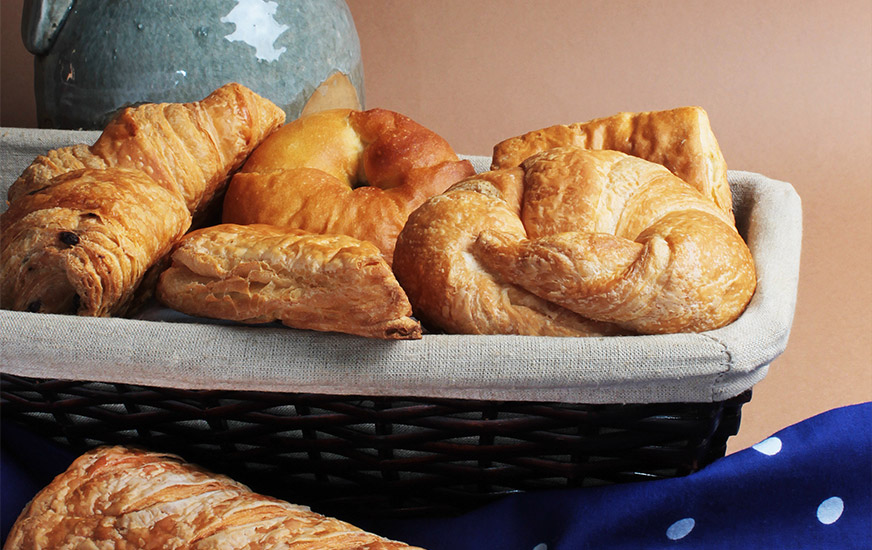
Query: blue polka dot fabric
point(808, 486)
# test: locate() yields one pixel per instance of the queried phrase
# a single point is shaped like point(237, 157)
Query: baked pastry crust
point(342, 171)
point(117, 497)
point(189, 148)
point(680, 139)
point(78, 239)
point(260, 273)
point(85, 242)
point(609, 237)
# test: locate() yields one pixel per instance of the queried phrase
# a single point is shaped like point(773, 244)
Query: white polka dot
point(830, 510)
point(771, 446)
point(541, 546)
point(680, 528)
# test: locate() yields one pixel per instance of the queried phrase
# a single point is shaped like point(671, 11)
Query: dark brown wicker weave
point(378, 456)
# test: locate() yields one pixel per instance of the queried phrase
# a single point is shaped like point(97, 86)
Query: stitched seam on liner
point(727, 363)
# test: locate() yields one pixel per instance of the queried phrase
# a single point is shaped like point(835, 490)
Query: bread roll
point(347, 172)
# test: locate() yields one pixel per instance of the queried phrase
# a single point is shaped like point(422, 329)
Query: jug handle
point(41, 21)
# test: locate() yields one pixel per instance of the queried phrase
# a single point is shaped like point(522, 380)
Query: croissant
point(85, 247)
point(680, 139)
point(84, 243)
point(189, 148)
point(116, 497)
point(260, 273)
point(610, 237)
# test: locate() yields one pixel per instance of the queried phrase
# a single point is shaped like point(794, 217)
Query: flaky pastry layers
point(574, 242)
point(83, 244)
point(116, 497)
point(84, 222)
point(341, 171)
point(680, 139)
point(259, 273)
point(189, 148)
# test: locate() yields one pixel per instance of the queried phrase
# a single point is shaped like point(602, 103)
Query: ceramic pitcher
point(93, 57)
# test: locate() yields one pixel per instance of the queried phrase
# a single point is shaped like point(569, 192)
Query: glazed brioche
point(115, 497)
point(572, 235)
point(680, 139)
point(356, 173)
point(84, 243)
point(259, 273)
point(189, 148)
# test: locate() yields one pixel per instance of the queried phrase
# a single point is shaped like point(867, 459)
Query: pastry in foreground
point(83, 244)
point(601, 235)
point(341, 171)
point(260, 273)
point(116, 497)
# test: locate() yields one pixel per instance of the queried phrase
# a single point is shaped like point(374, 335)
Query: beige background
point(787, 85)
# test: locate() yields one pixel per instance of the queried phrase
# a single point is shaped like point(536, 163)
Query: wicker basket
point(385, 456)
point(357, 428)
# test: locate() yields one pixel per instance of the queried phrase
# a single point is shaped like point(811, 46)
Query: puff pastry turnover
point(260, 273)
point(115, 497)
point(84, 243)
point(680, 139)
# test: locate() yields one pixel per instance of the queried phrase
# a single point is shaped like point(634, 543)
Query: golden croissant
point(85, 224)
point(189, 148)
point(575, 242)
point(115, 497)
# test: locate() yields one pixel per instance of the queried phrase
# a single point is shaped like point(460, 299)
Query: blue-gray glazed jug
point(93, 57)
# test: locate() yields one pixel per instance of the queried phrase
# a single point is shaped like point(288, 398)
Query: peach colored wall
point(788, 87)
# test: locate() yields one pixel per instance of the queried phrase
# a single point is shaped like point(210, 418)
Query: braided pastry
point(114, 497)
point(347, 172)
point(593, 235)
